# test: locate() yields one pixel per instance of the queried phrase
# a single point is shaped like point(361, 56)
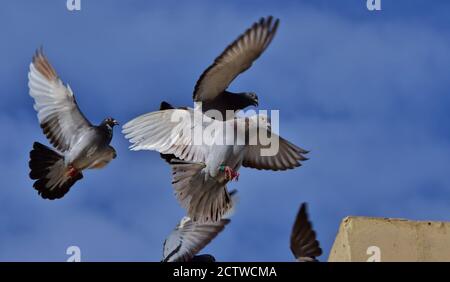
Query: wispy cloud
point(367, 94)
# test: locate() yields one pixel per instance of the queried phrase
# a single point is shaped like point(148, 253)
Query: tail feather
point(204, 200)
point(49, 171)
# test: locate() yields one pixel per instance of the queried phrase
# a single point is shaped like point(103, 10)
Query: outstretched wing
point(172, 131)
point(58, 112)
point(189, 238)
point(287, 156)
point(235, 59)
point(304, 244)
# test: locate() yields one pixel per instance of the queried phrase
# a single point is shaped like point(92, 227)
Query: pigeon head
point(110, 122)
point(252, 98)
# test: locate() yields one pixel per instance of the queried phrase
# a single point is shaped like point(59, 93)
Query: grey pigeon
point(202, 170)
point(79, 144)
point(304, 244)
point(239, 56)
point(189, 238)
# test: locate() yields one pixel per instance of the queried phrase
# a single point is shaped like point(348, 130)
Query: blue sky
point(366, 92)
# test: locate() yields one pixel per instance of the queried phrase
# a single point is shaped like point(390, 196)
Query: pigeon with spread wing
point(201, 171)
point(79, 144)
point(206, 162)
point(210, 90)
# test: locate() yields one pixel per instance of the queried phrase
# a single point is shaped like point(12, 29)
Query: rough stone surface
point(387, 239)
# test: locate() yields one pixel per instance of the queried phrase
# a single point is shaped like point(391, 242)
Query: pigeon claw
point(230, 174)
point(72, 172)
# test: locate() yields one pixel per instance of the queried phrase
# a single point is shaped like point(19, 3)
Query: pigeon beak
point(115, 122)
point(255, 100)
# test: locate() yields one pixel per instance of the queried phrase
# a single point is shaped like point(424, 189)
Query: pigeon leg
point(230, 174)
point(236, 175)
point(72, 172)
point(226, 170)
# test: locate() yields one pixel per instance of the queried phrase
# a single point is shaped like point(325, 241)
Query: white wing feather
point(58, 112)
point(170, 132)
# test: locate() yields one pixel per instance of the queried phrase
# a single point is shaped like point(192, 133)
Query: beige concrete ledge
point(387, 239)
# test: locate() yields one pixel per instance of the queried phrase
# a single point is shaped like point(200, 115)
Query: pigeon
point(189, 237)
point(203, 169)
point(304, 244)
point(210, 90)
point(78, 144)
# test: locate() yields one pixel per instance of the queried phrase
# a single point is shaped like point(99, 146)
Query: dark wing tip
point(38, 53)
point(275, 25)
point(304, 243)
point(303, 210)
point(168, 157)
point(42, 64)
point(225, 221)
point(165, 106)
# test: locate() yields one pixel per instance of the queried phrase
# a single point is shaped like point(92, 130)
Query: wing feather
point(58, 113)
point(235, 59)
point(161, 132)
point(288, 156)
point(304, 244)
point(189, 238)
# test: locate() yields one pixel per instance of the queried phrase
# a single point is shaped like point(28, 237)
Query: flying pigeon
point(239, 56)
point(210, 89)
point(79, 144)
point(189, 237)
point(304, 244)
point(202, 170)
